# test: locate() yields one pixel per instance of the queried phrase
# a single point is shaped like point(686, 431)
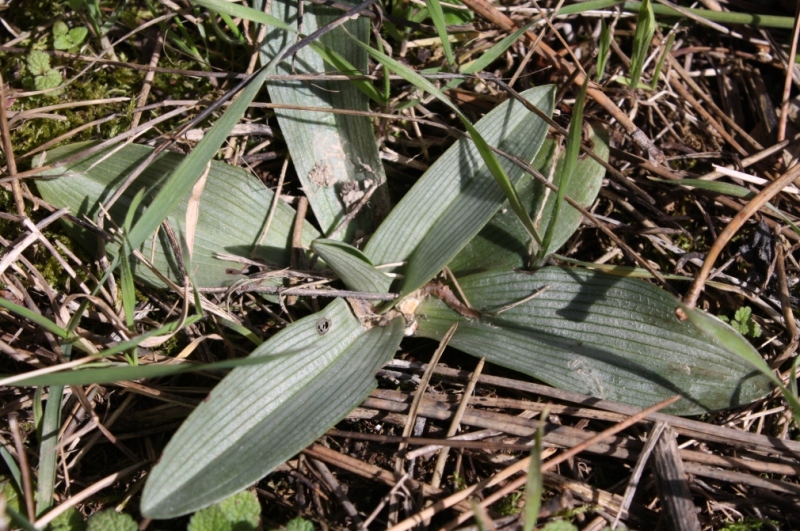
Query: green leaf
point(62, 42)
point(503, 243)
point(78, 35)
point(60, 28)
point(209, 519)
point(69, 520)
point(570, 162)
point(299, 524)
point(318, 370)
point(457, 196)
point(331, 152)
point(233, 210)
point(110, 520)
point(38, 62)
point(50, 79)
point(609, 337)
point(239, 512)
point(437, 16)
point(559, 525)
point(350, 265)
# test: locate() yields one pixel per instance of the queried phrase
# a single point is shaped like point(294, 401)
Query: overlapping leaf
point(457, 196)
point(258, 417)
point(333, 154)
point(503, 243)
point(233, 210)
point(352, 266)
point(601, 335)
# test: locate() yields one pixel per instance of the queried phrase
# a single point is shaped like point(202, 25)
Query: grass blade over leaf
point(456, 197)
point(233, 208)
point(330, 151)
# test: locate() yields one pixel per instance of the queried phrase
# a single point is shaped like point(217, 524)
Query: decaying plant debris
point(722, 112)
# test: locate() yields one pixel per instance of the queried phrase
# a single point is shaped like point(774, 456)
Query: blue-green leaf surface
point(351, 266)
point(605, 336)
point(233, 211)
point(330, 152)
point(257, 417)
point(457, 196)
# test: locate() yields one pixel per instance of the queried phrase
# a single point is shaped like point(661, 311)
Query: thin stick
point(485, 9)
point(523, 464)
point(5, 132)
point(733, 227)
point(27, 485)
point(455, 423)
point(42, 522)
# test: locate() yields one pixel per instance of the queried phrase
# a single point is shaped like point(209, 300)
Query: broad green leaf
point(38, 62)
point(184, 176)
point(233, 210)
point(725, 335)
point(503, 243)
point(111, 520)
point(601, 335)
point(334, 155)
point(318, 370)
point(240, 512)
point(457, 196)
point(350, 265)
point(69, 520)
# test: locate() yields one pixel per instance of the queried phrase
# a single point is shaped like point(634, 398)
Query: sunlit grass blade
point(603, 49)
point(570, 162)
point(534, 487)
point(645, 29)
point(48, 449)
point(490, 55)
point(183, 178)
point(34, 317)
point(437, 15)
point(12, 467)
point(247, 13)
point(734, 342)
point(457, 196)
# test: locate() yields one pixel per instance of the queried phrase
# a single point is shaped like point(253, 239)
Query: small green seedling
point(68, 39)
point(44, 76)
point(743, 322)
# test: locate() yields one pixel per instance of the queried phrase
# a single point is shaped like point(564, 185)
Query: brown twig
point(733, 227)
point(485, 9)
point(11, 164)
